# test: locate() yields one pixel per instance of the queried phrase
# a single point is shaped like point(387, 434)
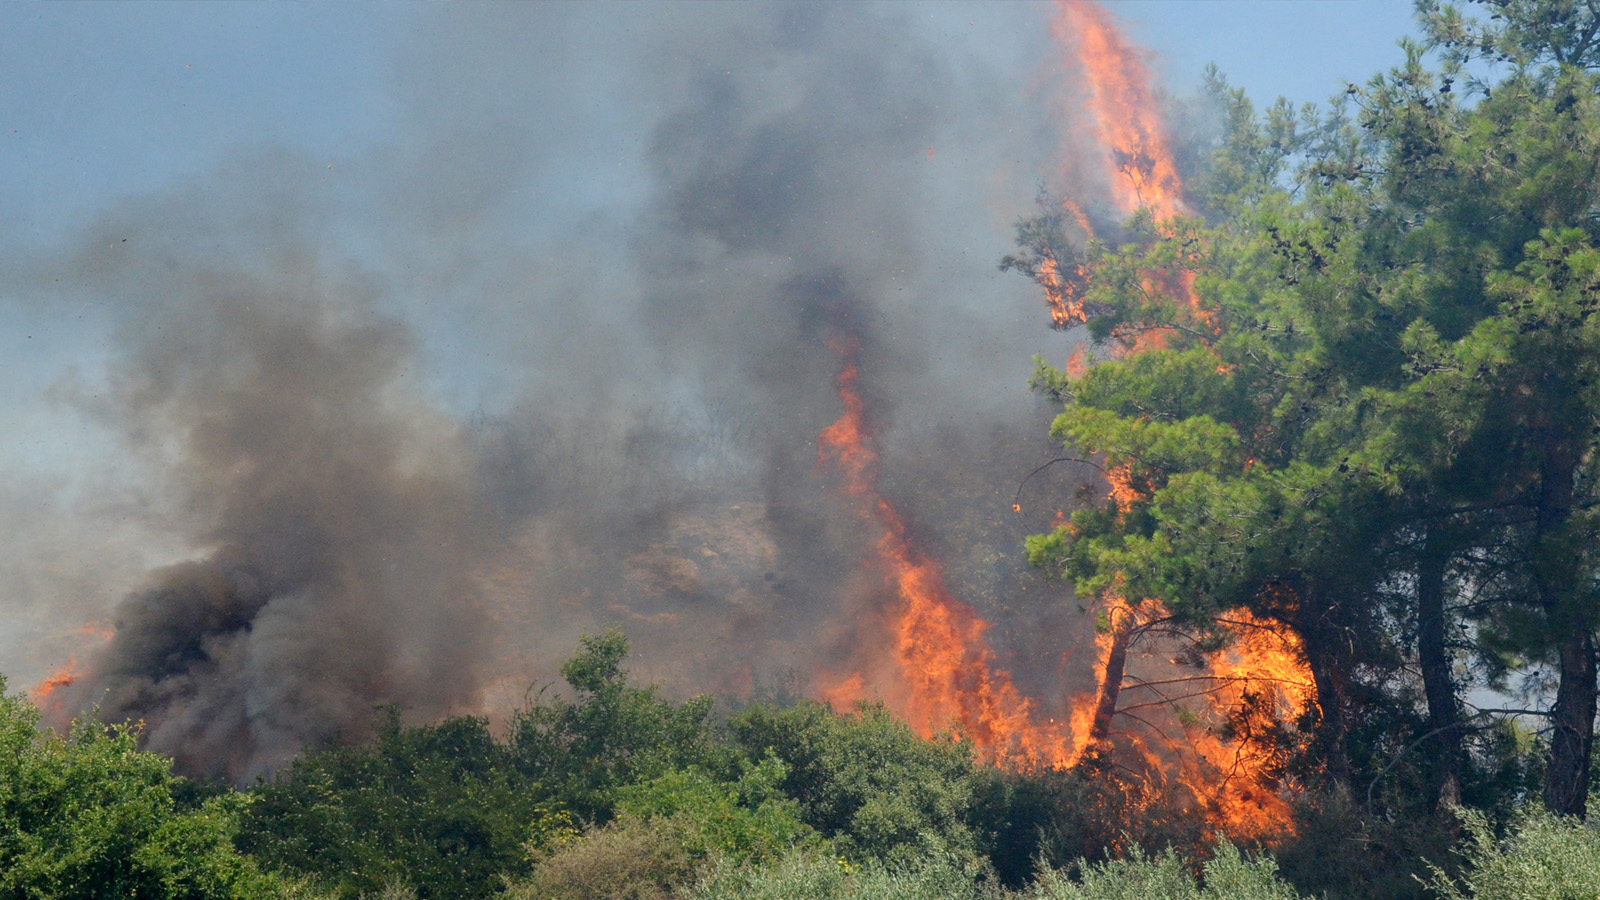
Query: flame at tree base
point(944, 676)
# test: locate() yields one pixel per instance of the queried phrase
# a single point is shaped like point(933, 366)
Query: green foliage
point(667, 830)
point(452, 809)
point(1388, 363)
point(1520, 32)
point(1032, 821)
point(866, 780)
point(627, 859)
point(1379, 858)
point(815, 876)
point(583, 751)
point(741, 820)
point(1229, 875)
point(440, 807)
point(92, 816)
point(1544, 857)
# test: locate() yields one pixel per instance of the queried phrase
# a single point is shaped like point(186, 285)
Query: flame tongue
point(1127, 118)
point(947, 671)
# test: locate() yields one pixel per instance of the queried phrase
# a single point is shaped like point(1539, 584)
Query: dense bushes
point(866, 781)
point(439, 807)
point(91, 816)
point(617, 792)
point(1542, 857)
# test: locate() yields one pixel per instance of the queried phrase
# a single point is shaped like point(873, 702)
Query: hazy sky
point(535, 138)
point(104, 99)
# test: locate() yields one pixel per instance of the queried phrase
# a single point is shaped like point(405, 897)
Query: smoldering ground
point(554, 357)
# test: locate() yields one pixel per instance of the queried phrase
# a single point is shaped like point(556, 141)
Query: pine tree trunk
point(1566, 786)
point(1318, 638)
point(1105, 708)
point(1438, 686)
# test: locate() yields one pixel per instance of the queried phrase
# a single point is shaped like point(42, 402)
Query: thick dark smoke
point(558, 360)
point(340, 522)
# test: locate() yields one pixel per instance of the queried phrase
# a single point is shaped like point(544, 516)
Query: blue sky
point(105, 99)
point(474, 170)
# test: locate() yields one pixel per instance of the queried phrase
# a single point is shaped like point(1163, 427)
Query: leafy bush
point(453, 810)
point(628, 859)
point(1229, 875)
point(742, 820)
point(1377, 857)
point(670, 828)
point(1031, 820)
point(866, 780)
point(1543, 857)
point(613, 734)
point(816, 876)
point(91, 816)
point(439, 807)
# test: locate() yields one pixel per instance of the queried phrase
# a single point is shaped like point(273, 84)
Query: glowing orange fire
point(1260, 680)
point(947, 671)
point(46, 694)
point(945, 674)
point(65, 676)
point(1126, 116)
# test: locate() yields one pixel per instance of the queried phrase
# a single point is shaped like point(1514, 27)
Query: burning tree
point(1370, 420)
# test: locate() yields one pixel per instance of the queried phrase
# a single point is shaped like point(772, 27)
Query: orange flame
point(947, 671)
point(1127, 117)
point(1063, 295)
point(1126, 120)
point(1259, 682)
point(46, 694)
point(41, 694)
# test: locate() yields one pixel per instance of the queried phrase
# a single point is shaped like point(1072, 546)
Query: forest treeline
point(609, 790)
point(1365, 409)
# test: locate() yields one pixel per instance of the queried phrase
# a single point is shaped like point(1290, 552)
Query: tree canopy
point(1372, 411)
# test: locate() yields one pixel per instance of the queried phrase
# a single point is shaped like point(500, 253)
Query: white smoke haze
point(553, 356)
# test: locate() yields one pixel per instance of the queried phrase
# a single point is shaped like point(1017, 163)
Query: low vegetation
point(617, 792)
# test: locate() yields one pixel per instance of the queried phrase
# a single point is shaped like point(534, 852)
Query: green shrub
point(91, 816)
point(1229, 875)
point(438, 807)
point(1028, 821)
point(866, 780)
point(1542, 857)
point(583, 751)
point(451, 809)
point(741, 820)
point(817, 876)
point(1341, 852)
point(628, 859)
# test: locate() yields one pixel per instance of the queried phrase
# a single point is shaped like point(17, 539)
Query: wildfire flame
point(42, 693)
point(1260, 680)
point(947, 670)
point(1126, 116)
point(46, 694)
point(944, 671)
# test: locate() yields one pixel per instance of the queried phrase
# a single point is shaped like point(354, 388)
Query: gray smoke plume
point(338, 516)
point(556, 358)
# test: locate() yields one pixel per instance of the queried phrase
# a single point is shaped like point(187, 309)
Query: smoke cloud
point(553, 357)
